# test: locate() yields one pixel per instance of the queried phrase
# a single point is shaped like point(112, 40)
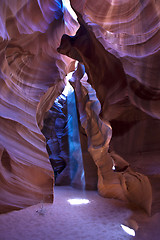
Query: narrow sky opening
point(66, 4)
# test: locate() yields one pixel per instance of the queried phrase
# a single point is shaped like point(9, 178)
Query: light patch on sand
point(128, 230)
point(78, 201)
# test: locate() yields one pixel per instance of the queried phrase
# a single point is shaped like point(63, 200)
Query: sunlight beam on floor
point(78, 201)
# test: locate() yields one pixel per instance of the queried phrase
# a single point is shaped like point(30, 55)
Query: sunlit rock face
point(31, 77)
point(66, 143)
point(100, 66)
point(129, 30)
point(115, 177)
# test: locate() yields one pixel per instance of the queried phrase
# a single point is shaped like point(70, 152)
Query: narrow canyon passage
point(102, 138)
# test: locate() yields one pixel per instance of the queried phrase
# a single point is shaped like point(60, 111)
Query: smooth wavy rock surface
point(131, 31)
point(31, 77)
point(124, 184)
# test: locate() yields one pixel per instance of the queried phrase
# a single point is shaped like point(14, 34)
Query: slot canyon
point(79, 114)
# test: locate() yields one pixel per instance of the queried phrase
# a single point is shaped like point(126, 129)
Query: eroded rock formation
point(124, 183)
point(100, 66)
point(32, 76)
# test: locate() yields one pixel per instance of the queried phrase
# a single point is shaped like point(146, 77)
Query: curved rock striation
point(123, 183)
point(115, 37)
point(32, 76)
point(130, 30)
point(55, 130)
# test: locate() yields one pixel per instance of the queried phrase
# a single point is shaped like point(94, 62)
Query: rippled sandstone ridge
point(32, 76)
point(118, 42)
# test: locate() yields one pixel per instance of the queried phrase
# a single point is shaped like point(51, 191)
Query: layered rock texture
point(32, 76)
point(118, 43)
point(115, 178)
